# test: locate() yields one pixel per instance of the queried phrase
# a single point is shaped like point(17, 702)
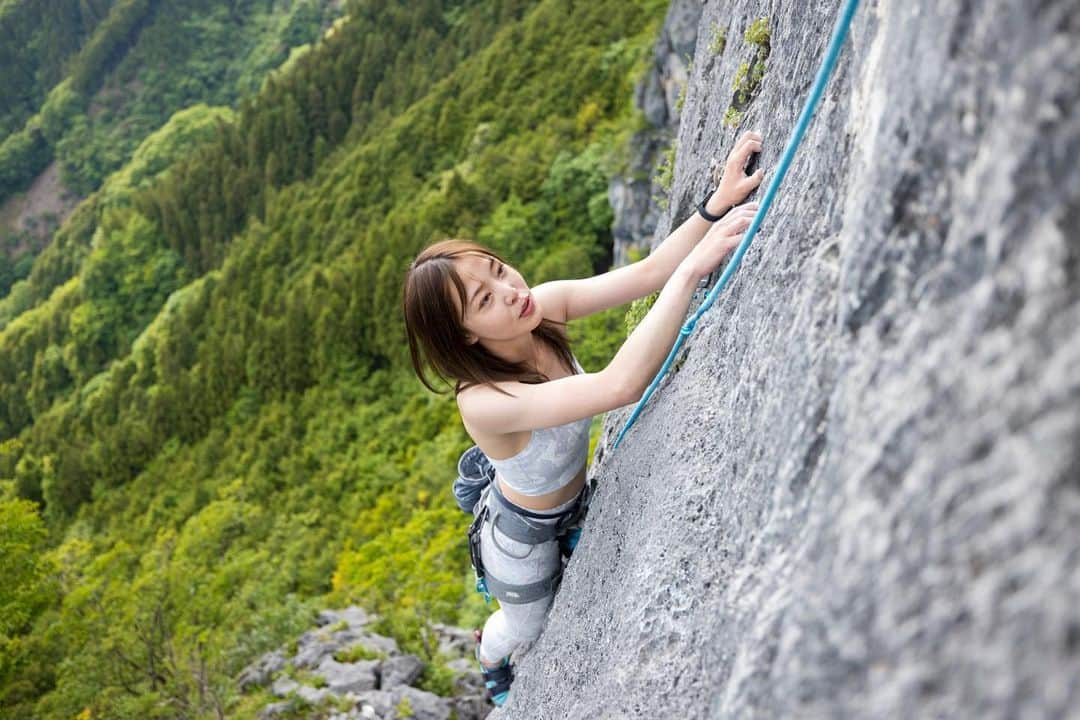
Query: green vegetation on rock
point(718, 41)
point(749, 74)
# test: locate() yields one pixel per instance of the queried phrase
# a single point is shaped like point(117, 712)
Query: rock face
point(633, 195)
point(860, 494)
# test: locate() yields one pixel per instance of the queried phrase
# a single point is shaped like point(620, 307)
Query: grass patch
point(665, 174)
point(357, 653)
point(404, 708)
point(758, 33)
point(749, 74)
point(719, 39)
point(437, 678)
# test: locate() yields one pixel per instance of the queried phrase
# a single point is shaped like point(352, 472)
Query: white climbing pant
point(519, 563)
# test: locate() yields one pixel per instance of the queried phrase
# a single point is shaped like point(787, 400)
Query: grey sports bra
point(550, 460)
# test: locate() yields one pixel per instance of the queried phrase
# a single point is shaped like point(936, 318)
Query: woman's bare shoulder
point(474, 398)
point(471, 403)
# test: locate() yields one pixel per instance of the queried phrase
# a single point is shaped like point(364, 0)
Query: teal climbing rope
point(843, 22)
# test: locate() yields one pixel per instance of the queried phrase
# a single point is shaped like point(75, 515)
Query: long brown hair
point(437, 334)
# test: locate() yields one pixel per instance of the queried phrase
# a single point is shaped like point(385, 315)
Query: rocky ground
point(344, 671)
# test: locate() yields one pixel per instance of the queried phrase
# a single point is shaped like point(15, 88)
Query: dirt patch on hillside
point(41, 209)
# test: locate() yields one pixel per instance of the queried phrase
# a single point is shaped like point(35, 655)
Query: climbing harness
point(517, 523)
point(839, 32)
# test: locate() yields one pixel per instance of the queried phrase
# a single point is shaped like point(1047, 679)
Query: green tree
point(25, 588)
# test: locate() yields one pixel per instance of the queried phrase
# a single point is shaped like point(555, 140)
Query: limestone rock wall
point(860, 494)
point(633, 195)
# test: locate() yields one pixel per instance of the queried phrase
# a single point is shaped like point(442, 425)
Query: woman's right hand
point(723, 237)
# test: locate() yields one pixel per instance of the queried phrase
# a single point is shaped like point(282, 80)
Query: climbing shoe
point(569, 541)
point(497, 679)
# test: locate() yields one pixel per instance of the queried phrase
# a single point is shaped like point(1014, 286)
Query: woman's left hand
point(735, 184)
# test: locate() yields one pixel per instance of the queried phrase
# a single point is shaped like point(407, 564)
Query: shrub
point(638, 310)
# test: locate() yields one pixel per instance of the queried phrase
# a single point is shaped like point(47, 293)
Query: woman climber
point(472, 319)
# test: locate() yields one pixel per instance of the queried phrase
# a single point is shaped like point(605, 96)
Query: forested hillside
point(83, 82)
point(208, 428)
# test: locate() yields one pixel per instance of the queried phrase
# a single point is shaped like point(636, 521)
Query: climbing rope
point(839, 32)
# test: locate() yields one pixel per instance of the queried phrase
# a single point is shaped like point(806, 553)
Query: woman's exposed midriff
point(540, 503)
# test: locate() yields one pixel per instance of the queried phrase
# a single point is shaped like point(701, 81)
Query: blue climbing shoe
point(569, 541)
point(497, 679)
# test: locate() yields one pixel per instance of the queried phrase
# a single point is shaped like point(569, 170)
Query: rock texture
point(633, 196)
point(860, 494)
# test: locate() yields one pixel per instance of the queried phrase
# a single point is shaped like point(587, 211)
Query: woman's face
point(496, 298)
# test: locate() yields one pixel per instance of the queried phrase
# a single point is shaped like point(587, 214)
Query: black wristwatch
point(705, 213)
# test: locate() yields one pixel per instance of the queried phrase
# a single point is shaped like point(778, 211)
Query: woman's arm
point(640, 357)
point(572, 299)
point(628, 374)
point(734, 186)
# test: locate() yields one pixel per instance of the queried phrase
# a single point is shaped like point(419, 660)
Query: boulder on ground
point(354, 677)
point(424, 705)
point(468, 679)
point(381, 703)
point(259, 673)
point(283, 686)
point(401, 670)
point(454, 640)
point(355, 617)
point(379, 643)
point(273, 710)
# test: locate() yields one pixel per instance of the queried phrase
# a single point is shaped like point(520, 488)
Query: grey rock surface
point(859, 496)
point(262, 670)
point(283, 686)
point(423, 705)
point(633, 195)
point(658, 93)
point(354, 677)
point(469, 679)
point(376, 703)
point(453, 640)
point(471, 707)
point(401, 670)
point(379, 643)
point(355, 617)
point(313, 646)
point(312, 696)
point(276, 709)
